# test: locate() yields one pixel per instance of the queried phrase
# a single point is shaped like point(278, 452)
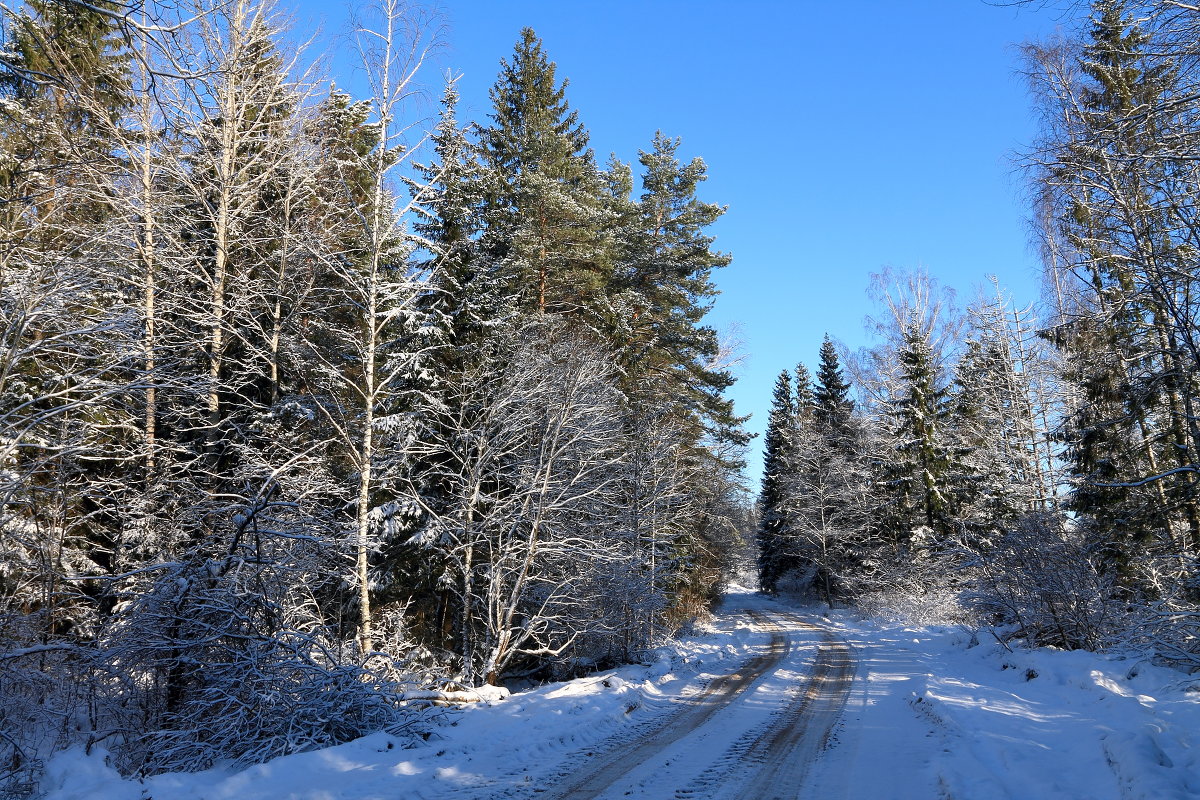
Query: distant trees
point(778, 444)
point(813, 508)
point(908, 488)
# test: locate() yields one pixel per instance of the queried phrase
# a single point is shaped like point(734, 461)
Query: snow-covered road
point(753, 733)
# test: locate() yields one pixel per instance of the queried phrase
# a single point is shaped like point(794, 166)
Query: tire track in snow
point(769, 761)
point(785, 752)
point(717, 695)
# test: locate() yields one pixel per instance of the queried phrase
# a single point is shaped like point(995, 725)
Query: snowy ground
point(929, 715)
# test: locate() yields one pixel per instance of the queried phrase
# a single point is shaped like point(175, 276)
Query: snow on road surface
point(754, 742)
point(770, 701)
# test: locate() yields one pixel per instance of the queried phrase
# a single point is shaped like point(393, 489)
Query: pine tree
point(663, 289)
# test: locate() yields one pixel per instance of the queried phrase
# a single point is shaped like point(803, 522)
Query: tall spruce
point(1131, 435)
point(545, 207)
point(833, 406)
point(464, 288)
point(772, 520)
point(919, 474)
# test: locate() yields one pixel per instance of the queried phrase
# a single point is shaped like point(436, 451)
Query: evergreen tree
point(919, 475)
point(772, 521)
point(1131, 438)
point(466, 298)
point(805, 395)
point(663, 289)
point(66, 66)
point(997, 428)
point(464, 288)
point(833, 406)
point(545, 205)
point(993, 485)
point(64, 329)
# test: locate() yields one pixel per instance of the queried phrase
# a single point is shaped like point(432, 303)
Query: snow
point(938, 711)
point(934, 711)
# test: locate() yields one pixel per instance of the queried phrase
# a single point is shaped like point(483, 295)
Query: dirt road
point(750, 735)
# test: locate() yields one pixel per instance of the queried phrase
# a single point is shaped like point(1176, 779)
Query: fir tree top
point(832, 393)
point(534, 129)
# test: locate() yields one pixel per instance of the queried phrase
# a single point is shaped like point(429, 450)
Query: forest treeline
point(1040, 465)
point(299, 412)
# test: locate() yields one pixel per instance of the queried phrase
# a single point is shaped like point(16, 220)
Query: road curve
point(771, 760)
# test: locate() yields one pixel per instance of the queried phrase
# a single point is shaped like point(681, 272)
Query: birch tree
point(378, 355)
point(531, 461)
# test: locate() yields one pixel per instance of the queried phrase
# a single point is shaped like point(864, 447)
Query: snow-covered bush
point(232, 663)
point(44, 709)
point(1040, 584)
point(914, 606)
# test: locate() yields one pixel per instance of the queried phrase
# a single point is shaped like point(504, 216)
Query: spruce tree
point(1131, 440)
point(545, 205)
point(772, 520)
point(833, 406)
point(65, 66)
point(919, 474)
point(465, 298)
point(805, 395)
point(994, 479)
point(464, 288)
point(64, 325)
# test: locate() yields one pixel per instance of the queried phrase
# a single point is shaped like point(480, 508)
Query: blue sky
point(843, 137)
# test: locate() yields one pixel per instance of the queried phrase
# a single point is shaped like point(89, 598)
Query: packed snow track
point(753, 734)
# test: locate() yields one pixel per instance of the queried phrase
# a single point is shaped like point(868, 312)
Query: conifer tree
point(826, 487)
point(545, 205)
point(66, 65)
point(1114, 179)
point(464, 287)
point(63, 329)
point(998, 426)
point(772, 521)
point(805, 394)
point(919, 476)
point(663, 288)
point(832, 404)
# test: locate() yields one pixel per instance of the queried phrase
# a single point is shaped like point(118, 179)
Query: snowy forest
point(1036, 464)
point(316, 408)
point(303, 410)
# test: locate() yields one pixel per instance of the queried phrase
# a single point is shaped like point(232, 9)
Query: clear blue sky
point(843, 137)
